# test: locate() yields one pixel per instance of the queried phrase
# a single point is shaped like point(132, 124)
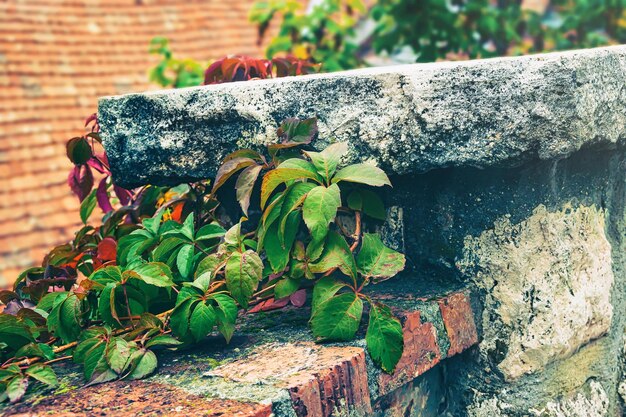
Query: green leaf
point(87, 206)
point(320, 208)
point(118, 353)
point(35, 350)
point(243, 273)
point(363, 174)
point(336, 254)
point(13, 332)
point(278, 250)
point(162, 252)
point(226, 313)
point(187, 228)
point(107, 307)
point(376, 260)
point(210, 264)
point(337, 318)
point(65, 317)
point(245, 185)
point(154, 273)
point(368, 202)
point(384, 337)
point(145, 364)
point(202, 321)
point(43, 374)
point(285, 287)
point(106, 275)
point(78, 151)
point(153, 223)
point(297, 132)
point(16, 388)
point(184, 260)
point(163, 340)
point(278, 176)
point(210, 231)
point(324, 289)
point(294, 197)
point(179, 319)
point(326, 161)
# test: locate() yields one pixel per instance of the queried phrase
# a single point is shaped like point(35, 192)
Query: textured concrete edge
point(406, 119)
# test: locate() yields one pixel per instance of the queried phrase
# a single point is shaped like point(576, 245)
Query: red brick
point(458, 319)
point(421, 353)
point(320, 379)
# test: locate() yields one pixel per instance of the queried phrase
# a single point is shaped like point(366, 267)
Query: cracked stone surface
point(407, 119)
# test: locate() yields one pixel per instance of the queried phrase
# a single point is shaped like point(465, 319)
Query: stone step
point(273, 367)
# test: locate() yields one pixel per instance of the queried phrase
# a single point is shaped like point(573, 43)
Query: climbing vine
point(170, 265)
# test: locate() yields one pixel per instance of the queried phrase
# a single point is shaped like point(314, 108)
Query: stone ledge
point(275, 371)
point(407, 119)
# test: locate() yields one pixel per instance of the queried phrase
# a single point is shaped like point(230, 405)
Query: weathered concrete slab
point(408, 119)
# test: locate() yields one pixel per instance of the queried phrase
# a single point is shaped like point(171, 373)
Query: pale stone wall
point(509, 182)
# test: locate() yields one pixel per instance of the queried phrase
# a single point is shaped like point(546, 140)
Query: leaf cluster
point(170, 266)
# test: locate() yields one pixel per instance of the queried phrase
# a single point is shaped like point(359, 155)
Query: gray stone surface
point(408, 119)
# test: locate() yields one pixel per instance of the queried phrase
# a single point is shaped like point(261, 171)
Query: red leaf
point(102, 196)
point(96, 163)
point(107, 249)
point(269, 305)
point(298, 298)
point(80, 181)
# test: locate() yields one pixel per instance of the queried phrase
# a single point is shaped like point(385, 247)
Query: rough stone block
point(407, 119)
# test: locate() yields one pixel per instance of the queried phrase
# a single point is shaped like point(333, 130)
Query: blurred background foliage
point(346, 34)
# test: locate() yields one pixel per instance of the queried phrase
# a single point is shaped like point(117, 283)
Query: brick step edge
point(323, 380)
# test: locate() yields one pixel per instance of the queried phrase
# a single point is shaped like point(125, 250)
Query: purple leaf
point(80, 181)
point(298, 298)
point(123, 194)
point(102, 196)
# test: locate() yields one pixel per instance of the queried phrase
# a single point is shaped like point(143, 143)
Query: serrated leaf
point(278, 176)
point(43, 374)
point(162, 252)
point(209, 231)
point(245, 185)
point(326, 161)
point(153, 223)
point(87, 206)
point(285, 287)
point(202, 321)
point(184, 260)
point(294, 197)
point(362, 173)
point(244, 271)
point(106, 275)
point(107, 306)
point(187, 228)
point(154, 273)
point(337, 318)
point(13, 332)
point(179, 319)
point(296, 131)
point(324, 289)
point(229, 168)
point(278, 250)
point(378, 261)
point(384, 337)
point(320, 209)
point(118, 353)
point(336, 254)
point(64, 318)
point(78, 150)
point(16, 388)
point(163, 340)
point(144, 366)
point(226, 313)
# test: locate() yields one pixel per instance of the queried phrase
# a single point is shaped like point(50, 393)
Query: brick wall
point(56, 58)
